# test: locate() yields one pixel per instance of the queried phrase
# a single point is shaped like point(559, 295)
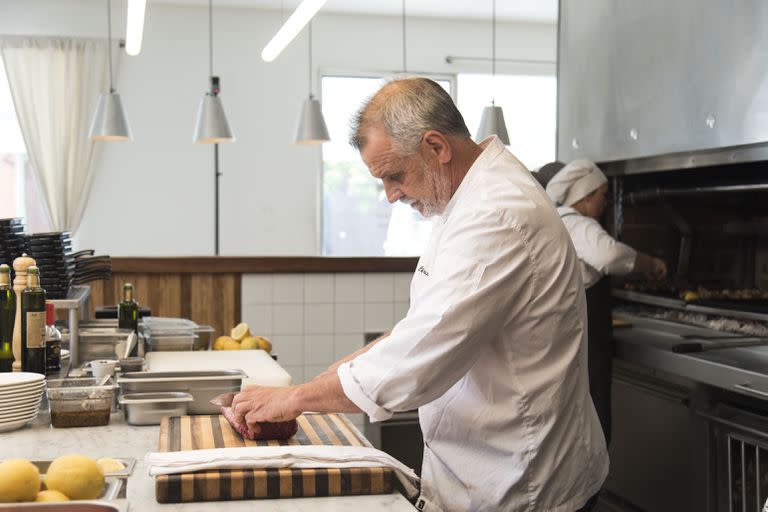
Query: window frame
point(385, 75)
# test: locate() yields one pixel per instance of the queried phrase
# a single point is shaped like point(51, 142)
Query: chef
point(580, 191)
point(493, 348)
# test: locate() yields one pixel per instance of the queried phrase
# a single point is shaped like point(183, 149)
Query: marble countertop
point(40, 441)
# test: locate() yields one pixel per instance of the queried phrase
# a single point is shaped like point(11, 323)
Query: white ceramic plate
point(26, 400)
point(64, 354)
point(10, 408)
point(12, 379)
point(31, 396)
point(21, 392)
point(14, 425)
point(16, 417)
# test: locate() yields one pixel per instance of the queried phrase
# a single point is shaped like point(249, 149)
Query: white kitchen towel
point(296, 456)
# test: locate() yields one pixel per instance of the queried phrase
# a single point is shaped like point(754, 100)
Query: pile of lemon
point(69, 477)
point(241, 338)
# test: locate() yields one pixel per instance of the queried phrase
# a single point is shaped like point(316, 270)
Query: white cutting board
point(259, 366)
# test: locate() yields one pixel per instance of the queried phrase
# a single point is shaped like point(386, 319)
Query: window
point(530, 111)
point(19, 192)
point(357, 219)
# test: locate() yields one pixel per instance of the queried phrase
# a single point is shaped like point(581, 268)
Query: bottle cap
point(49, 313)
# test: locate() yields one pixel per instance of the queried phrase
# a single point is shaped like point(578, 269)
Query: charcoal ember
point(267, 430)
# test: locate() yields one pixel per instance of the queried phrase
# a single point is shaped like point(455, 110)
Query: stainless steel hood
point(659, 85)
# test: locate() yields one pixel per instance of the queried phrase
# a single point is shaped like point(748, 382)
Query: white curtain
point(55, 84)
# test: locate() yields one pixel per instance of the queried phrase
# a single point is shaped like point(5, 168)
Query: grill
point(747, 473)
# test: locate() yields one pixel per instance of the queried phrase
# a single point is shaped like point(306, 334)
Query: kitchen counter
point(40, 441)
point(649, 343)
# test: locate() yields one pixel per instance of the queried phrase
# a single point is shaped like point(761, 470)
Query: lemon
point(230, 344)
point(77, 476)
point(240, 331)
point(249, 343)
point(51, 495)
point(221, 341)
point(265, 344)
point(109, 465)
point(19, 481)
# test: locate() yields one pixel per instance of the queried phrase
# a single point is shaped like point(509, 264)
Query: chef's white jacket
point(493, 353)
point(599, 253)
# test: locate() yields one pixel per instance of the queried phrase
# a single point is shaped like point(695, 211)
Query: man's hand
point(257, 404)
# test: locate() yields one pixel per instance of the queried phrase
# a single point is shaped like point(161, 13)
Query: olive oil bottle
point(128, 314)
point(33, 324)
point(7, 319)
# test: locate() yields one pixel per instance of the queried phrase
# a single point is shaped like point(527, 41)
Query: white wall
point(155, 196)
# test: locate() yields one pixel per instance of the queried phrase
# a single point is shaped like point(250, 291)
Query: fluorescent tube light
point(134, 28)
point(293, 25)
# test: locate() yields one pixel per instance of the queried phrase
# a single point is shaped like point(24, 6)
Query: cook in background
point(545, 173)
point(493, 348)
point(579, 190)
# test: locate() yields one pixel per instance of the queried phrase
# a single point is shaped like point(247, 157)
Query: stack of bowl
point(53, 254)
point(20, 396)
point(13, 241)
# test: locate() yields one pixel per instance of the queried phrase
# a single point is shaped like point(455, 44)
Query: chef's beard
point(431, 204)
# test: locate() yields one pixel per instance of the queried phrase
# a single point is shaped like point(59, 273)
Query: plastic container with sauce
point(79, 402)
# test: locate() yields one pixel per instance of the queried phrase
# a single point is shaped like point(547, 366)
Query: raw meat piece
point(268, 431)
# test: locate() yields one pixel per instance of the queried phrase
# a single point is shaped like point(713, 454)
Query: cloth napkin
point(296, 456)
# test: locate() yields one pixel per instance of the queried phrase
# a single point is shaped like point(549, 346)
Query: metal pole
point(216, 201)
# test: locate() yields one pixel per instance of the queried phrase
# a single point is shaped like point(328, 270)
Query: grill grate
point(747, 474)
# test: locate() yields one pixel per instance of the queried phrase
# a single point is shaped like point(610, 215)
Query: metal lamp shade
point(212, 126)
point(109, 121)
point(492, 123)
point(311, 127)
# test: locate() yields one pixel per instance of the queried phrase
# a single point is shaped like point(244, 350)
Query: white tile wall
point(379, 287)
point(403, 286)
point(289, 348)
point(349, 288)
point(316, 319)
point(318, 288)
point(288, 289)
point(318, 349)
point(288, 319)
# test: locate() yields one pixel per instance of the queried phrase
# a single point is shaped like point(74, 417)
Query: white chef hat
point(574, 182)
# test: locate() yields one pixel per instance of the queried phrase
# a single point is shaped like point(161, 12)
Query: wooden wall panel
point(208, 299)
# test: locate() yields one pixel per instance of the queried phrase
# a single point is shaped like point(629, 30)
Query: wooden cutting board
point(203, 432)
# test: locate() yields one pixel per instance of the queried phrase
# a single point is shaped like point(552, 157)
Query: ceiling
point(543, 11)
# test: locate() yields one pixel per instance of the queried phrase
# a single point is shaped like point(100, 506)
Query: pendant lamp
point(310, 127)
point(109, 122)
point(212, 126)
point(492, 122)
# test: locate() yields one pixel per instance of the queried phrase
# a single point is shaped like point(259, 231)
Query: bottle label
point(35, 329)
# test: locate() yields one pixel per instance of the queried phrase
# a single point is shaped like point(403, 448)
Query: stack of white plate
point(20, 396)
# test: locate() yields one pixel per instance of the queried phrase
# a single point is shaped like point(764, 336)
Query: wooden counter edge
point(259, 265)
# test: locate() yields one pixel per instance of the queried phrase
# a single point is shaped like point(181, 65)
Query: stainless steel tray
point(113, 497)
point(202, 385)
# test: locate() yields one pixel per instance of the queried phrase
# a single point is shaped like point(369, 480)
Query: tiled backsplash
point(316, 319)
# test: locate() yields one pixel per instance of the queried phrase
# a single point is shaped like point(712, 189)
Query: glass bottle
point(52, 341)
point(7, 319)
point(128, 314)
point(33, 324)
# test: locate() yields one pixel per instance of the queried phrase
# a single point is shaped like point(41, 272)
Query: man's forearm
point(322, 394)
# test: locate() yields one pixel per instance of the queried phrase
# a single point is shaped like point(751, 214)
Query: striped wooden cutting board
point(203, 432)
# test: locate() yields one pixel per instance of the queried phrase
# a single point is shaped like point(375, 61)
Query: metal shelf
point(76, 304)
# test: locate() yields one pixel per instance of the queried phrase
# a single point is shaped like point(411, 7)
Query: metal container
point(79, 402)
point(205, 337)
point(151, 408)
point(103, 343)
point(202, 385)
point(172, 342)
point(131, 364)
